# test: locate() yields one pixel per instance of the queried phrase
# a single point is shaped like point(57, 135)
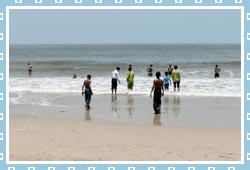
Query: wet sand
point(189, 129)
point(176, 111)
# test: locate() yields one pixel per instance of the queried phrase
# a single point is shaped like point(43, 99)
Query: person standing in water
point(29, 68)
point(130, 78)
point(115, 79)
point(150, 70)
point(216, 71)
point(170, 69)
point(158, 92)
point(87, 91)
point(129, 66)
point(167, 81)
point(176, 77)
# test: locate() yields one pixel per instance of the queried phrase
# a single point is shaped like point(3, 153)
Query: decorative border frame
point(243, 5)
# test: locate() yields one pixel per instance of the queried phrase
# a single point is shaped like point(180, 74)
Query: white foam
point(142, 85)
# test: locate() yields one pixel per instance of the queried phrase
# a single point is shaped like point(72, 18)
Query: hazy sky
point(124, 26)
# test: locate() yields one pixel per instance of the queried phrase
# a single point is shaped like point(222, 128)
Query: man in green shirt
point(176, 77)
point(130, 78)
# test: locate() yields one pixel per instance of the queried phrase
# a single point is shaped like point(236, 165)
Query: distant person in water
point(87, 91)
point(167, 81)
point(170, 69)
point(176, 77)
point(150, 70)
point(129, 66)
point(74, 76)
point(115, 79)
point(130, 78)
point(216, 71)
point(29, 67)
point(158, 92)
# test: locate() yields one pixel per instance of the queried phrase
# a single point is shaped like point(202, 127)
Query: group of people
point(158, 85)
point(171, 73)
point(115, 78)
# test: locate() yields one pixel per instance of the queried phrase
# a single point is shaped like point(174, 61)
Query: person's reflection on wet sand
point(130, 104)
point(157, 120)
point(115, 106)
point(167, 103)
point(87, 115)
point(176, 105)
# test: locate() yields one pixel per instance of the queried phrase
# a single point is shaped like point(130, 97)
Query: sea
point(55, 64)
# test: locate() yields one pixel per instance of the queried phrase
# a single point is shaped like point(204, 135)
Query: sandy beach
point(83, 136)
point(61, 140)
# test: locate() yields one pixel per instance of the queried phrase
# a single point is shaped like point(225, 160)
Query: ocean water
point(54, 66)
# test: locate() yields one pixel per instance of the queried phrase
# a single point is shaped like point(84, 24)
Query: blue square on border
point(1, 136)
point(111, 168)
point(198, 1)
point(158, 1)
point(138, 1)
point(1, 96)
point(238, 1)
point(11, 168)
point(58, 1)
point(178, 1)
point(71, 168)
point(51, 168)
point(1, 116)
point(118, 1)
point(18, 1)
point(1, 36)
point(218, 1)
point(1, 76)
point(31, 168)
point(38, 1)
point(1, 16)
point(248, 116)
point(248, 36)
point(211, 168)
point(78, 1)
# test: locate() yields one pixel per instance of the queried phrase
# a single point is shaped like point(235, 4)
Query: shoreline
point(176, 110)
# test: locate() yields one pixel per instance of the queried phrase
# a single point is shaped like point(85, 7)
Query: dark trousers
point(87, 98)
point(114, 83)
point(177, 83)
point(157, 101)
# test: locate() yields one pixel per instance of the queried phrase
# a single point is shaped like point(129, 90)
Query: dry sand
point(47, 139)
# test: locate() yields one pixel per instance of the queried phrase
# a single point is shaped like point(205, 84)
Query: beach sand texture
point(87, 137)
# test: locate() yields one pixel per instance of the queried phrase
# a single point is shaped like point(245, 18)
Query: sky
point(43, 26)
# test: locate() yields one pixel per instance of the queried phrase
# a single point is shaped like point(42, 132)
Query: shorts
point(216, 75)
point(114, 83)
point(166, 86)
point(177, 83)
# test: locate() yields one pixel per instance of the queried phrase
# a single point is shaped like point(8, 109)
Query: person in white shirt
point(115, 78)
